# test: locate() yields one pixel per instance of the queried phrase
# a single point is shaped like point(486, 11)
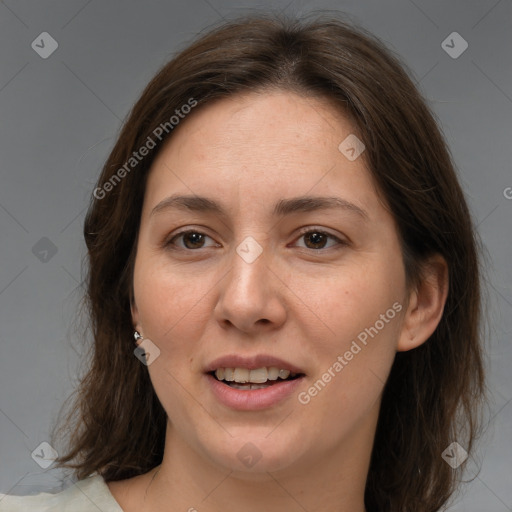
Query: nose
point(251, 297)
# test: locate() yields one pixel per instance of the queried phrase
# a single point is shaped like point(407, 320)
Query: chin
point(252, 457)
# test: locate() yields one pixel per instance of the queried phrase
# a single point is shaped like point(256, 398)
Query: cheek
point(168, 300)
point(172, 312)
point(354, 298)
point(173, 316)
point(362, 311)
point(351, 372)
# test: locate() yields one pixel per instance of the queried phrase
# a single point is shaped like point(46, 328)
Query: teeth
point(246, 387)
point(273, 373)
point(259, 386)
point(284, 374)
point(257, 376)
point(241, 375)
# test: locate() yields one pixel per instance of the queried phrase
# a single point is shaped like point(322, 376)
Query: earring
point(137, 336)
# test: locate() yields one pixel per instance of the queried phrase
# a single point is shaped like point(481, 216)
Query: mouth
point(259, 378)
point(252, 383)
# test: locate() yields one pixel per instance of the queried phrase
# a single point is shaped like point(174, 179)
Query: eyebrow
point(282, 208)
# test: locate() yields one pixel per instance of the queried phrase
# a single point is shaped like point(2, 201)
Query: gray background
point(58, 120)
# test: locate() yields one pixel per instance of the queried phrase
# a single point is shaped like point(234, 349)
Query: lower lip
point(252, 399)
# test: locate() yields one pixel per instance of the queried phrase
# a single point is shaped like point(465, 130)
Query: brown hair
point(432, 397)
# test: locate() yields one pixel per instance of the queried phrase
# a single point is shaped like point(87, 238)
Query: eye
point(191, 240)
point(316, 239)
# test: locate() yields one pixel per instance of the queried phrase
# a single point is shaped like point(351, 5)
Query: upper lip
point(251, 363)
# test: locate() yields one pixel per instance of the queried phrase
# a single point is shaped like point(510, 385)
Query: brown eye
point(316, 239)
point(193, 240)
point(190, 240)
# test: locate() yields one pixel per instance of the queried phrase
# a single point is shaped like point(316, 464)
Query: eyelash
point(302, 233)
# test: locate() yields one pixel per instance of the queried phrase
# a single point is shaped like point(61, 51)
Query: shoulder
point(82, 496)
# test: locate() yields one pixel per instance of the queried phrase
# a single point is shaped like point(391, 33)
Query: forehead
point(260, 146)
point(267, 120)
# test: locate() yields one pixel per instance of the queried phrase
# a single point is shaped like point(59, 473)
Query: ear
point(426, 304)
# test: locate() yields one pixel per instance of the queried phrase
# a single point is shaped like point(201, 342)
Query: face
point(304, 298)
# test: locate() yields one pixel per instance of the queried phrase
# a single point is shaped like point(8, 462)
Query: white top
point(82, 496)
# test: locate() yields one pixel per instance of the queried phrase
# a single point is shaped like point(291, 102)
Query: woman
point(283, 286)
